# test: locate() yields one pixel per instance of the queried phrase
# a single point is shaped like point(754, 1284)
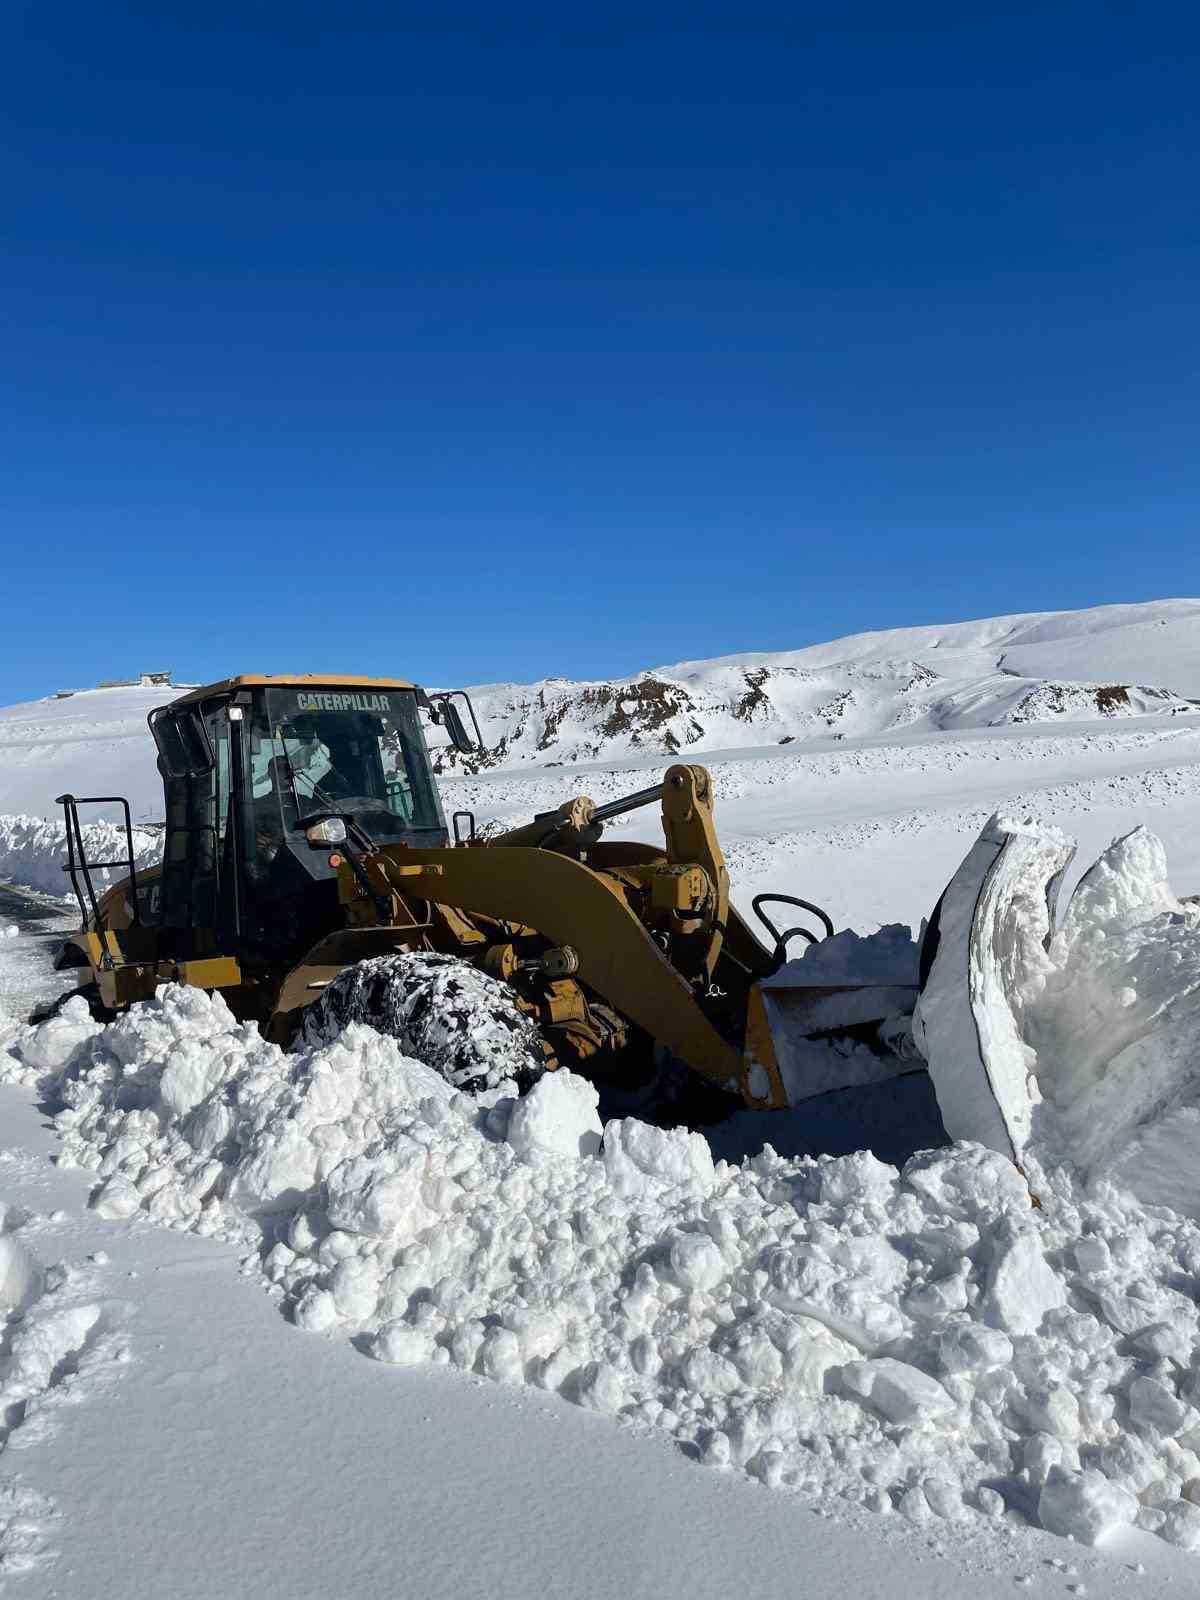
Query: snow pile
point(888, 956)
point(33, 852)
point(846, 978)
point(922, 1341)
point(558, 1117)
point(56, 1342)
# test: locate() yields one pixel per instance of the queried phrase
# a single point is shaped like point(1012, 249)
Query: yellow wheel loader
point(309, 876)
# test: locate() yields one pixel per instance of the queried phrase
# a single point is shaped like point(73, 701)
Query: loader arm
point(687, 803)
point(699, 907)
point(571, 905)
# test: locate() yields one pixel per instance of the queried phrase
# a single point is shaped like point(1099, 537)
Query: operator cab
point(361, 752)
point(249, 766)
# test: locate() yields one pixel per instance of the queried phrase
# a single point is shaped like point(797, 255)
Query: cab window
point(344, 751)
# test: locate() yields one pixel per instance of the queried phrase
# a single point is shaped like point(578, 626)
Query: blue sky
point(489, 341)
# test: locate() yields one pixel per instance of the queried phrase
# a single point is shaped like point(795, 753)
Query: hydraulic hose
point(784, 939)
point(779, 953)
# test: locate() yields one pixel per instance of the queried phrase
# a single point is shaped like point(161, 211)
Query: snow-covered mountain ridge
point(1057, 667)
point(1110, 661)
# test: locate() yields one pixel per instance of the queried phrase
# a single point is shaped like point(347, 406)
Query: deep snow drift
point(922, 1342)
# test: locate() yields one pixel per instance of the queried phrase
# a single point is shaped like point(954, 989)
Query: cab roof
point(287, 680)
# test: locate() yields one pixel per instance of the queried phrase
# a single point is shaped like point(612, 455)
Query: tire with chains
point(442, 1011)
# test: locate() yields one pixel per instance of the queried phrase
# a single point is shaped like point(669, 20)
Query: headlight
point(331, 831)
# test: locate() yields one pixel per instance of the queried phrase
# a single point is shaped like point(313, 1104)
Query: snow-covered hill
point(94, 742)
point(1064, 667)
point(1111, 661)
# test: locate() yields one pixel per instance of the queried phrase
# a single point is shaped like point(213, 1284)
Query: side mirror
point(444, 712)
point(456, 728)
point(182, 741)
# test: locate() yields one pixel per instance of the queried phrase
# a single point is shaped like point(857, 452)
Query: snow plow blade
point(859, 1011)
point(1069, 1036)
point(985, 949)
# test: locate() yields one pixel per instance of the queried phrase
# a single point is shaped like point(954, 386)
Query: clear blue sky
point(475, 341)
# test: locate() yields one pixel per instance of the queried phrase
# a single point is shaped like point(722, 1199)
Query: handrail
point(77, 862)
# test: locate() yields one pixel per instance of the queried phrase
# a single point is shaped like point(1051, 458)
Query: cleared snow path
point(30, 931)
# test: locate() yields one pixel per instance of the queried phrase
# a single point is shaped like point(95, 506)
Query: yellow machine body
point(608, 945)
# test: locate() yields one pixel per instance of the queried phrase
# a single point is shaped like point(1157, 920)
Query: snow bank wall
point(33, 852)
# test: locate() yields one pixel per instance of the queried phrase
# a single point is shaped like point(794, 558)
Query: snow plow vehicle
point(308, 874)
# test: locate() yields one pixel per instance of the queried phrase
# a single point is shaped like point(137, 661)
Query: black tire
point(442, 1011)
point(89, 992)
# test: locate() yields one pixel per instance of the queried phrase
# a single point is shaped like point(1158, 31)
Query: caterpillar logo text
point(342, 702)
